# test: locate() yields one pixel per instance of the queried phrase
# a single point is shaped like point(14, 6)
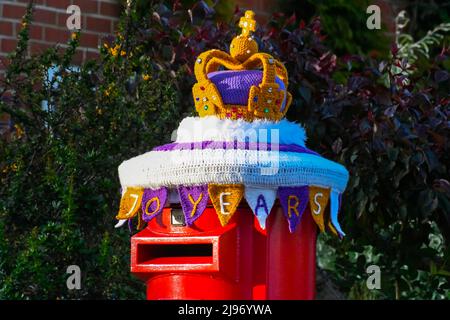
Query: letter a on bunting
point(261, 202)
point(193, 201)
point(225, 199)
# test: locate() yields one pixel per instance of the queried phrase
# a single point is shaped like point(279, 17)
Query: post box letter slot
point(164, 254)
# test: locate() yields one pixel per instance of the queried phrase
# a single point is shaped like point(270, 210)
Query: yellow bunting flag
point(332, 229)
point(130, 203)
point(225, 199)
point(318, 200)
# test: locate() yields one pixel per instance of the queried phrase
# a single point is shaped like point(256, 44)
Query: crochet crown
point(253, 87)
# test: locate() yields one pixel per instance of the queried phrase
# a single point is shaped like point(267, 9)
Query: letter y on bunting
point(294, 201)
point(225, 199)
point(193, 201)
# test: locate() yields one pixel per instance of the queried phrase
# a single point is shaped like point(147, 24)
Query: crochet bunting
point(318, 200)
point(225, 199)
point(130, 203)
point(333, 224)
point(261, 202)
point(153, 202)
point(193, 201)
point(294, 201)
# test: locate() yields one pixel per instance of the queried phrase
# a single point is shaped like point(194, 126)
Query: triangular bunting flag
point(332, 229)
point(261, 202)
point(333, 224)
point(225, 199)
point(193, 201)
point(318, 200)
point(130, 203)
point(153, 202)
point(140, 223)
point(294, 201)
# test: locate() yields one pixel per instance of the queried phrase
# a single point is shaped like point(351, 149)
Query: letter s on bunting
point(318, 200)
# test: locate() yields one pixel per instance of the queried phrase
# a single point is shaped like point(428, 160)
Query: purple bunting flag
point(193, 201)
point(153, 202)
point(294, 201)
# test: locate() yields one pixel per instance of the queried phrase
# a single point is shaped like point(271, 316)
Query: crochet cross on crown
point(267, 99)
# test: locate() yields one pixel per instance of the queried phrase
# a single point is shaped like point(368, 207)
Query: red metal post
point(238, 261)
point(291, 258)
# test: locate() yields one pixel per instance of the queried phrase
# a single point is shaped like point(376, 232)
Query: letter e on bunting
point(318, 200)
point(225, 199)
point(153, 202)
point(130, 203)
point(294, 201)
point(193, 201)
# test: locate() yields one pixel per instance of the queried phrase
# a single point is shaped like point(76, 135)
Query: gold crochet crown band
point(266, 100)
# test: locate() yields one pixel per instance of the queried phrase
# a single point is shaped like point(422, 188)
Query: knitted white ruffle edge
point(264, 169)
point(195, 129)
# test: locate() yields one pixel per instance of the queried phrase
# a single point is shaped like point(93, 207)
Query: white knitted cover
point(258, 168)
point(194, 129)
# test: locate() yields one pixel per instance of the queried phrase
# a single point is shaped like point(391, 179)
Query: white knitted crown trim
point(195, 129)
point(265, 169)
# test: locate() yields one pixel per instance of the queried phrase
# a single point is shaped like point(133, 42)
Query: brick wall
point(98, 17)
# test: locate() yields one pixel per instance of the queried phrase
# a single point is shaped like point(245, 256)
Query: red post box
point(213, 244)
point(238, 261)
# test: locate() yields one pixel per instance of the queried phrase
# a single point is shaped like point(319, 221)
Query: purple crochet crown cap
point(234, 86)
